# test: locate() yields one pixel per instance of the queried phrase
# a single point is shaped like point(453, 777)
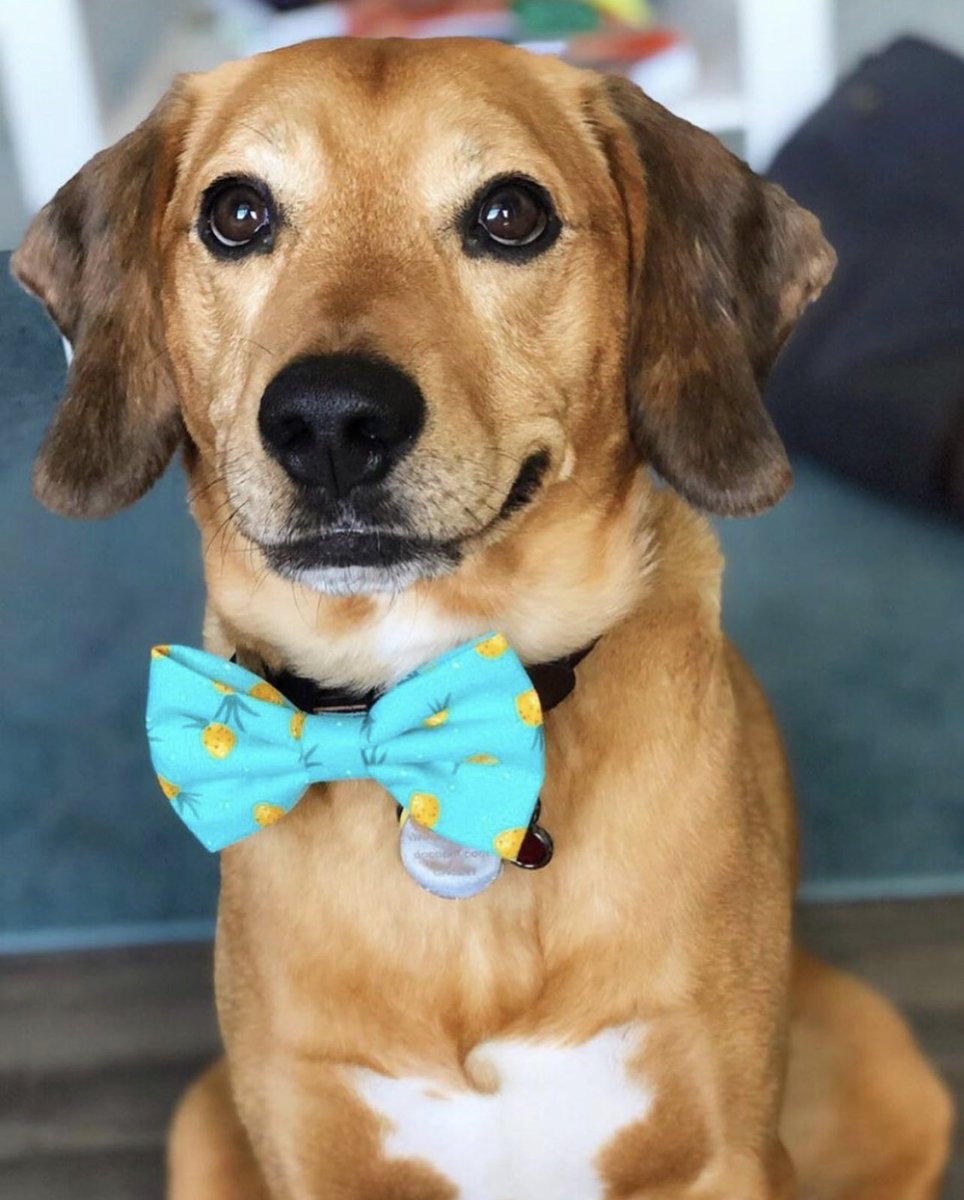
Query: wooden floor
point(95, 1047)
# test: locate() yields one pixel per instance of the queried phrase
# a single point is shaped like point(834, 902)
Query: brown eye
point(511, 219)
point(236, 217)
point(513, 215)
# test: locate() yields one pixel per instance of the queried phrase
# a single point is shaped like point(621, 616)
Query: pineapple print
point(232, 708)
point(493, 647)
point(508, 843)
point(528, 707)
point(425, 808)
point(485, 760)
point(267, 814)
point(296, 725)
point(170, 790)
point(218, 739)
point(224, 688)
point(182, 801)
point(439, 713)
point(264, 691)
point(160, 651)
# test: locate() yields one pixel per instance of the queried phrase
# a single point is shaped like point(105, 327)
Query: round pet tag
point(445, 868)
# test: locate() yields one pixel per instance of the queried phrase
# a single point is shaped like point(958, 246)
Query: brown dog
point(417, 314)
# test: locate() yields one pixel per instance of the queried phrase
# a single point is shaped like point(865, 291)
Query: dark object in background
point(872, 383)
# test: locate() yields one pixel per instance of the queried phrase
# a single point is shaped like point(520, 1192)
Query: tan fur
point(643, 331)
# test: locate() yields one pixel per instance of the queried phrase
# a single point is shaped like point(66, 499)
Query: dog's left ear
point(90, 256)
point(723, 265)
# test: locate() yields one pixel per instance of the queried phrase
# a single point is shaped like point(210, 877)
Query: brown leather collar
point(553, 681)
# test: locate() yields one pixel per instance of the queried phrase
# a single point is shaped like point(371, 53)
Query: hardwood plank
point(106, 1006)
point(95, 1048)
point(86, 1111)
point(123, 1175)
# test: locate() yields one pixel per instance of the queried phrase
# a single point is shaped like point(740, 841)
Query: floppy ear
point(90, 256)
point(724, 264)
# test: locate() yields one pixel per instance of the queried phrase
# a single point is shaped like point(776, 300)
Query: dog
point(420, 316)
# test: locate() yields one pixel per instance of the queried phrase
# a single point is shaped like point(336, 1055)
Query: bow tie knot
point(458, 744)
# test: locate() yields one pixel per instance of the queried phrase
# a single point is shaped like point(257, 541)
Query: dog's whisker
point(223, 529)
point(196, 493)
point(252, 341)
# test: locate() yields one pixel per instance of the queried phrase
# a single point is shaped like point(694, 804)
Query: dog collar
point(553, 682)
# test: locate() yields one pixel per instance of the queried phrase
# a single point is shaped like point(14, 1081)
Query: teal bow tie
point(459, 744)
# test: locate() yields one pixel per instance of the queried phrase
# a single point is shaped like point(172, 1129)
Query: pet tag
point(536, 849)
point(443, 867)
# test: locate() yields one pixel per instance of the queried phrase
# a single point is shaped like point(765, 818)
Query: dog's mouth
point(343, 549)
point(357, 558)
point(346, 563)
point(526, 485)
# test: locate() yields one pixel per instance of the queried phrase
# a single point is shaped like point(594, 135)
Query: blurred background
point(847, 598)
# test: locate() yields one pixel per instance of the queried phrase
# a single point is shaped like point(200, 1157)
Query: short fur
point(642, 336)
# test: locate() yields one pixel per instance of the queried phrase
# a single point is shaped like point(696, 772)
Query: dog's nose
point(339, 420)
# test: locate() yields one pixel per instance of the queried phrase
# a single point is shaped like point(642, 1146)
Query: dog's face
point(385, 293)
point(399, 298)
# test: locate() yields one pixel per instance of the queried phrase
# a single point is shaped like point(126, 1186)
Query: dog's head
point(398, 298)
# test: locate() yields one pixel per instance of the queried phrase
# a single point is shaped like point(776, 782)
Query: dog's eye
point(511, 218)
point(512, 215)
point(236, 216)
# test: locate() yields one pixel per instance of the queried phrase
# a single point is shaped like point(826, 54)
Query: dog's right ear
point(90, 256)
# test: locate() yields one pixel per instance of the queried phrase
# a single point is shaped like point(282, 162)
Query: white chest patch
point(411, 630)
point(536, 1135)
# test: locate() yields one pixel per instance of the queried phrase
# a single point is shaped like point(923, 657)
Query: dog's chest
point(537, 1129)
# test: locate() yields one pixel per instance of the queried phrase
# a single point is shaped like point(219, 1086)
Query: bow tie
point(459, 745)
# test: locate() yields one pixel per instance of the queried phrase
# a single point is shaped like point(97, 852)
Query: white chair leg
point(787, 68)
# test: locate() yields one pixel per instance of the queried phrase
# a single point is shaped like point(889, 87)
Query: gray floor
point(95, 1047)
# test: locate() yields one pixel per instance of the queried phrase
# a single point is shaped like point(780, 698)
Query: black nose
point(339, 420)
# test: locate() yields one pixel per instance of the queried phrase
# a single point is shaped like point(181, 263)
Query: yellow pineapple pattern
point(160, 651)
point(437, 718)
point(528, 707)
point(224, 688)
point(508, 843)
point(493, 647)
point(218, 739)
point(267, 814)
point(170, 790)
point(264, 691)
point(425, 808)
point(296, 725)
point(486, 760)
